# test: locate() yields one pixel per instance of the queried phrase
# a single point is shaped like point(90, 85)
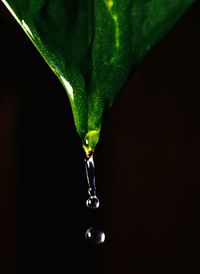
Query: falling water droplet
point(95, 236)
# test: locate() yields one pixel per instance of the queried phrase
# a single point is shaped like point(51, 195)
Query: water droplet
point(93, 202)
point(95, 236)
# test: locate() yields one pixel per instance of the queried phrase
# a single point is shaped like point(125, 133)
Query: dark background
point(147, 164)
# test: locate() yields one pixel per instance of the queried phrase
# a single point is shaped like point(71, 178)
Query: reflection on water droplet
point(95, 236)
point(92, 202)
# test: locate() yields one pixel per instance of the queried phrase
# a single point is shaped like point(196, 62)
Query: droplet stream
point(93, 235)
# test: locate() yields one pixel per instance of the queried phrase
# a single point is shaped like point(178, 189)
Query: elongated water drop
point(93, 201)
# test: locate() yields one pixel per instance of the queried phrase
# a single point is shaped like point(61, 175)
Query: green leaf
point(93, 46)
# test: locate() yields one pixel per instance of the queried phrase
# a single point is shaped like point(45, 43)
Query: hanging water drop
point(93, 201)
point(95, 236)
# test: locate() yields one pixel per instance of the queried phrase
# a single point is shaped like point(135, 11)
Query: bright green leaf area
point(93, 46)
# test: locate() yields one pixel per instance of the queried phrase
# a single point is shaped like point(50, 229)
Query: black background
point(147, 164)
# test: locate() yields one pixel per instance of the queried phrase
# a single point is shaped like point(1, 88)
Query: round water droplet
point(92, 202)
point(95, 236)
